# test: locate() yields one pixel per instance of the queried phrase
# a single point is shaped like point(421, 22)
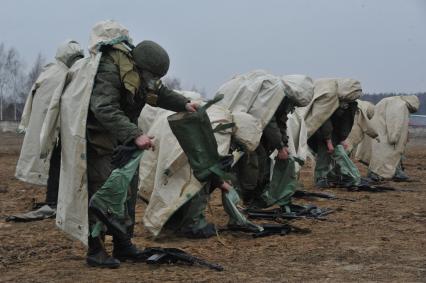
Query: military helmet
point(150, 56)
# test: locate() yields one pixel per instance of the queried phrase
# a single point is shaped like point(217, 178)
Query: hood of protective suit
point(412, 102)
point(107, 33)
point(322, 106)
point(366, 107)
point(68, 50)
point(348, 89)
point(300, 89)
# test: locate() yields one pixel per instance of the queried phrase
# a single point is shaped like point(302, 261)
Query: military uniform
point(118, 96)
point(336, 129)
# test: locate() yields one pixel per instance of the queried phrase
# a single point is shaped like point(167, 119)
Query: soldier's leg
point(283, 184)
point(190, 219)
point(263, 178)
point(247, 170)
point(131, 202)
point(322, 165)
point(53, 179)
point(98, 170)
point(345, 170)
point(124, 249)
point(400, 174)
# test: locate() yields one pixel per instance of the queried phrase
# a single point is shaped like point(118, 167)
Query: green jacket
point(117, 100)
point(274, 135)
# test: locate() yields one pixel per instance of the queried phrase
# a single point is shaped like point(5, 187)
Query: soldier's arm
point(105, 102)
point(273, 135)
point(345, 123)
point(326, 130)
point(282, 125)
point(171, 100)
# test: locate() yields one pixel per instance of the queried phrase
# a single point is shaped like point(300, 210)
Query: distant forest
point(376, 97)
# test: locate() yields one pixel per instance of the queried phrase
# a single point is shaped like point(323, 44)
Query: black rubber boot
point(98, 257)
point(206, 232)
point(374, 177)
point(322, 183)
point(400, 175)
point(125, 250)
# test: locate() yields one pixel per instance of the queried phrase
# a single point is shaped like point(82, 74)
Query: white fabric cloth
point(391, 118)
point(256, 93)
point(71, 215)
point(328, 94)
point(300, 89)
point(30, 167)
point(322, 106)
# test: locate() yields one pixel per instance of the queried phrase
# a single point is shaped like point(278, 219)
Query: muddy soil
point(381, 237)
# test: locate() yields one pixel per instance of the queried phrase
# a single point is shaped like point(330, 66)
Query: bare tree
point(12, 82)
point(35, 71)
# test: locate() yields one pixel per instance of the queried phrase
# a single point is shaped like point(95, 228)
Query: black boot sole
point(99, 265)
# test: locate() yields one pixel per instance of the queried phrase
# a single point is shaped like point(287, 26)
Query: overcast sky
point(382, 43)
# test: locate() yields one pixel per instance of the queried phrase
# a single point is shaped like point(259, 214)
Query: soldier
point(331, 125)
point(125, 81)
point(253, 169)
point(391, 119)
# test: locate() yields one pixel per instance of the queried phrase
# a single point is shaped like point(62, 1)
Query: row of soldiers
point(84, 116)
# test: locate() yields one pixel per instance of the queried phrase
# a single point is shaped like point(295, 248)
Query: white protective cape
point(30, 167)
point(391, 117)
point(165, 175)
point(69, 114)
point(328, 93)
point(362, 126)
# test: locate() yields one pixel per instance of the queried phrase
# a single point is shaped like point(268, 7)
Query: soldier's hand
point(345, 144)
point(191, 106)
point(225, 187)
point(330, 147)
point(145, 142)
point(283, 153)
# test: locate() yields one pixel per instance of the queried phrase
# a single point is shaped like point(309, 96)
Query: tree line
point(15, 82)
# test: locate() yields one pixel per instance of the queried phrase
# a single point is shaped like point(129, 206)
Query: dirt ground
point(381, 237)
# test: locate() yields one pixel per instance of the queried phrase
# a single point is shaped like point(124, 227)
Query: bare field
point(379, 238)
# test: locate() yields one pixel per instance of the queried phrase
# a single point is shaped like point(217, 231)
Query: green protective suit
point(113, 197)
point(282, 186)
point(191, 216)
point(335, 168)
point(117, 99)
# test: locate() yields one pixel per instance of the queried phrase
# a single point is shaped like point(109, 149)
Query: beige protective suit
point(328, 93)
point(31, 168)
point(362, 125)
point(391, 118)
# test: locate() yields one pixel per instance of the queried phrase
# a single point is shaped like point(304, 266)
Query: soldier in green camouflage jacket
point(126, 79)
